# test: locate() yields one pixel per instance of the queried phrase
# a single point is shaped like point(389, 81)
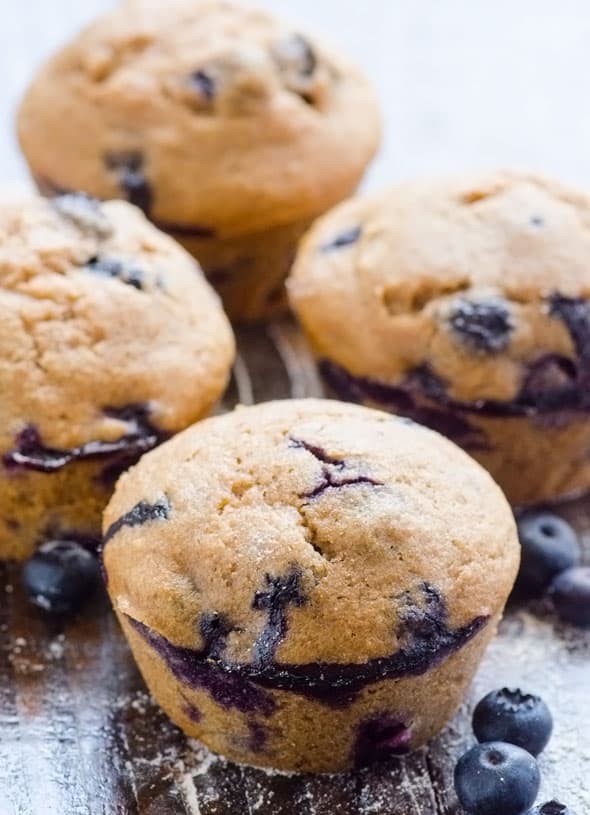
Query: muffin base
point(292, 732)
point(35, 507)
point(248, 272)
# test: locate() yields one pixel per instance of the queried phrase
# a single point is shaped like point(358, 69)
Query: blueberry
point(294, 53)
point(551, 808)
point(297, 62)
point(60, 576)
point(551, 383)
point(484, 325)
point(570, 592)
point(129, 169)
point(515, 717)
point(112, 267)
point(205, 84)
point(346, 238)
point(381, 738)
point(549, 545)
point(497, 779)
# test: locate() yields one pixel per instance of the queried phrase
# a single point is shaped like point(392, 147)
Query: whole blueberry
point(515, 717)
point(549, 545)
point(497, 779)
point(570, 592)
point(60, 576)
point(552, 808)
point(484, 326)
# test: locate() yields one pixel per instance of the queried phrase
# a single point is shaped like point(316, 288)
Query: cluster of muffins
point(309, 584)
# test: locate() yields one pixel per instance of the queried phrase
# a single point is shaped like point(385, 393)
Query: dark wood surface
point(79, 735)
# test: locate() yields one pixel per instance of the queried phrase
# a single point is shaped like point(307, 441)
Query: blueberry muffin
point(228, 127)
point(111, 340)
point(309, 585)
point(463, 304)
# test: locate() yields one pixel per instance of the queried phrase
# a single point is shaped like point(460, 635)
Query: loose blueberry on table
point(514, 717)
point(60, 576)
point(549, 546)
point(552, 808)
point(496, 778)
point(570, 593)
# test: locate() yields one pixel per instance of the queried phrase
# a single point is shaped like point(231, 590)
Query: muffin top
point(109, 333)
point(213, 117)
point(292, 541)
point(472, 289)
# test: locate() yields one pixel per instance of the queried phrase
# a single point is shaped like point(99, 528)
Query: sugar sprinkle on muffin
point(309, 585)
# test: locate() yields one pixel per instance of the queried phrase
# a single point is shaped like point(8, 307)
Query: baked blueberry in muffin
point(231, 129)
point(465, 305)
point(309, 585)
point(102, 317)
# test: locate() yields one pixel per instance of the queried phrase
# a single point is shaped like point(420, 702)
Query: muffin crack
point(336, 472)
point(310, 532)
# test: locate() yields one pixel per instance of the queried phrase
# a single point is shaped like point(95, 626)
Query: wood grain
point(79, 735)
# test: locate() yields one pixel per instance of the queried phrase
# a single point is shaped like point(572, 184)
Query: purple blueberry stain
point(574, 313)
point(32, 454)
point(215, 628)
point(297, 53)
point(279, 593)
point(336, 473)
point(297, 62)
point(257, 737)
point(426, 641)
point(423, 619)
point(142, 513)
point(191, 711)
point(554, 387)
point(407, 399)
point(119, 270)
point(483, 325)
point(50, 189)
point(128, 166)
point(344, 239)
point(200, 669)
point(380, 738)
point(550, 383)
point(205, 85)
